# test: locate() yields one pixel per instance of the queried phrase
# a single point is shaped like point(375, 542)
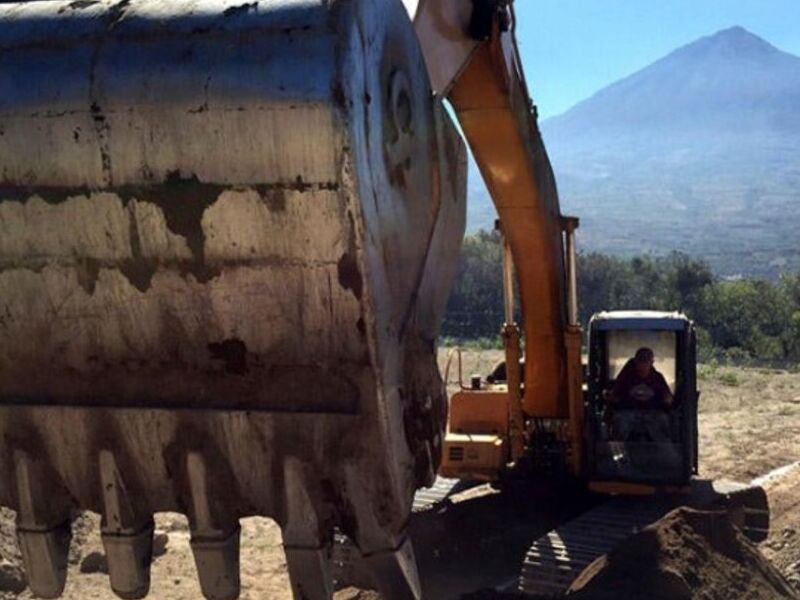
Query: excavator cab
point(631, 445)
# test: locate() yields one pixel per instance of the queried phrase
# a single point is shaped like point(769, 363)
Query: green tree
point(789, 286)
point(750, 315)
point(686, 280)
point(475, 307)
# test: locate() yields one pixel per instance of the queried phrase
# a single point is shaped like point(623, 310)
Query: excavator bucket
point(227, 232)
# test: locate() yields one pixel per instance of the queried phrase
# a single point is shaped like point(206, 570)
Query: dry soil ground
point(749, 422)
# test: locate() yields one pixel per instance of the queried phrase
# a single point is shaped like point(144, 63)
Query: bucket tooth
point(394, 573)
point(747, 507)
point(129, 557)
point(215, 537)
point(306, 538)
point(44, 535)
point(44, 554)
point(127, 536)
point(388, 555)
point(311, 573)
point(217, 562)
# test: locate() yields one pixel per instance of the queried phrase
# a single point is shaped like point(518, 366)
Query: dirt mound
point(686, 555)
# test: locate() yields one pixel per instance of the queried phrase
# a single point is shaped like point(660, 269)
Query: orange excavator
point(227, 234)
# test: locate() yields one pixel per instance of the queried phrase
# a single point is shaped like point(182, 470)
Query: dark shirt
point(632, 391)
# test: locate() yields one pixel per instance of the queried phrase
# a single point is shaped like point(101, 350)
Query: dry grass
point(749, 421)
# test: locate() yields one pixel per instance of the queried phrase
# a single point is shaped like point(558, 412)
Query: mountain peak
point(733, 42)
point(737, 32)
point(720, 83)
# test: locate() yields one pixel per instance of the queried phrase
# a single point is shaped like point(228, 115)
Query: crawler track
point(428, 498)
point(529, 539)
point(557, 558)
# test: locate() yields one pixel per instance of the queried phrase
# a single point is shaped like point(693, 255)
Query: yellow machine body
point(476, 445)
point(474, 457)
point(480, 411)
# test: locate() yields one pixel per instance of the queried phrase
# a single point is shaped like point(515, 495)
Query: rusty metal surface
point(227, 232)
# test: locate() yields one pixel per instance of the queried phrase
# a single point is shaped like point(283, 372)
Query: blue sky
point(572, 48)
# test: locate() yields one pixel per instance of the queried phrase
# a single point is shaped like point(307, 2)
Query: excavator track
point(557, 558)
point(554, 560)
point(441, 490)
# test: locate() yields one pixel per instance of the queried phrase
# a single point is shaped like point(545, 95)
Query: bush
point(729, 378)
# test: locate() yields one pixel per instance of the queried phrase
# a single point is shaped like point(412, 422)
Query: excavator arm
point(481, 75)
point(498, 120)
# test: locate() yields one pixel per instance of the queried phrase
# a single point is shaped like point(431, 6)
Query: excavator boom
point(481, 74)
point(499, 122)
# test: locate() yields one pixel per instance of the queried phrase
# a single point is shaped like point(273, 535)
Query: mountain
point(698, 152)
point(732, 83)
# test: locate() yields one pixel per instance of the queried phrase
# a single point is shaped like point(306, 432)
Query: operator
point(640, 398)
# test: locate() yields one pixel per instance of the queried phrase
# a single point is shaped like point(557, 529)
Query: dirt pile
point(782, 547)
point(686, 555)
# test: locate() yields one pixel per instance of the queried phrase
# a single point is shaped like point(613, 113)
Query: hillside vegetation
point(739, 320)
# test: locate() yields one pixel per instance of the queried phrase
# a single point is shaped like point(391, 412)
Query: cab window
point(622, 345)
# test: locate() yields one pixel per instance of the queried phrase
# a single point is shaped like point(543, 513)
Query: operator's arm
point(663, 391)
